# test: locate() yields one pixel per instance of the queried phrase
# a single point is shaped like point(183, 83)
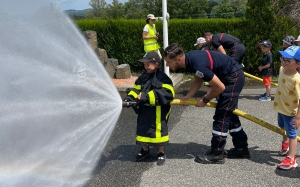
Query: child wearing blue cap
point(286, 103)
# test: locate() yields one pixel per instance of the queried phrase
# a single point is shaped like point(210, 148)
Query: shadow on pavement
point(172, 150)
point(295, 173)
point(263, 156)
point(272, 158)
point(119, 168)
point(249, 97)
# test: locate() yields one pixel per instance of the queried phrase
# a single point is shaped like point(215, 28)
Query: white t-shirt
point(146, 28)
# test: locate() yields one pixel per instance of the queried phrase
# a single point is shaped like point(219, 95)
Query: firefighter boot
point(238, 153)
point(211, 157)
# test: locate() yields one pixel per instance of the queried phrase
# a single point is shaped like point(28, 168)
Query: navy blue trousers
point(224, 119)
point(237, 52)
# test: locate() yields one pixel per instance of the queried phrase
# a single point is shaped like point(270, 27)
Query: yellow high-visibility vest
point(151, 44)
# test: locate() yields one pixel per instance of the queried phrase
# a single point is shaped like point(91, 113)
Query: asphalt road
point(190, 134)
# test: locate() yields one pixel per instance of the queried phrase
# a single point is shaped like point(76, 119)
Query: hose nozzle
point(128, 103)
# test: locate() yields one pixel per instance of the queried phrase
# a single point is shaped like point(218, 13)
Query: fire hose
point(258, 79)
point(236, 112)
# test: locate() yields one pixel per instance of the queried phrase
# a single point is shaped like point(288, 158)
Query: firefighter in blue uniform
point(226, 77)
point(222, 41)
point(154, 91)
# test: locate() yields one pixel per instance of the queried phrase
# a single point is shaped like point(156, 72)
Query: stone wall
point(111, 65)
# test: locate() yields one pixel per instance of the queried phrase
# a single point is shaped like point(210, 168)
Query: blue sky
point(79, 4)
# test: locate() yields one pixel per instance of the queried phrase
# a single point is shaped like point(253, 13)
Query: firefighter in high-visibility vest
point(150, 36)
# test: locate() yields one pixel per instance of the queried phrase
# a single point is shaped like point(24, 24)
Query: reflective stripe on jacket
point(157, 92)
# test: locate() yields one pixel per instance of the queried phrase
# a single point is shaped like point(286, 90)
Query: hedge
point(122, 39)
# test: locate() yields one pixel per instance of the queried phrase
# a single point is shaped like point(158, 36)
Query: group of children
point(153, 91)
point(266, 68)
point(286, 100)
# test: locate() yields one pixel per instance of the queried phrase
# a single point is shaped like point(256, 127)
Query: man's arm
point(221, 50)
point(217, 87)
point(195, 87)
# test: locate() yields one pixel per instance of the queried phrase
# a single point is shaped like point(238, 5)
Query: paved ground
point(190, 134)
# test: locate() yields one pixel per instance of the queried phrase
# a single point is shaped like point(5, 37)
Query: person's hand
point(296, 122)
point(260, 68)
point(139, 96)
point(183, 101)
point(200, 103)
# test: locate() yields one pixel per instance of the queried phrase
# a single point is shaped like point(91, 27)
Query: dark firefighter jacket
point(157, 92)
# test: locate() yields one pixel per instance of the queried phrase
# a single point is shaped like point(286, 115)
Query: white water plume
point(58, 104)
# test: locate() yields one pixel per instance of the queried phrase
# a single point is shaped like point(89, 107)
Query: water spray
point(58, 104)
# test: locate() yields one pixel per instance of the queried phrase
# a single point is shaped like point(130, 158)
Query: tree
point(137, 9)
point(99, 8)
point(115, 10)
point(152, 7)
point(187, 8)
point(211, 4)
point(133, 9)
point(229, 8)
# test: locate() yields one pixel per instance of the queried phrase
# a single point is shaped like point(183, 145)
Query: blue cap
point(291, 52)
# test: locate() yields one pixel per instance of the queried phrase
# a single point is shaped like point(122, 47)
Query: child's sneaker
point(266, 98)
point(287, 163)
point(284, 148)
point(161, 158)
point(263, 95)
point(142, 155)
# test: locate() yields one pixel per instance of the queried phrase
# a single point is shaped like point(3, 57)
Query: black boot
point(142, 155)
point(211, 157)
point(238, 153)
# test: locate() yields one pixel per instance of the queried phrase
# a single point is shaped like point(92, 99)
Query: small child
point(266, 69)
point(297, 42)
point(286, 103)
point(287, 42)
point(154, 91)
point(201, 44)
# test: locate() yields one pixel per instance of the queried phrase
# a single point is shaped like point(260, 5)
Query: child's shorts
point(267, 80)
point(285, 122)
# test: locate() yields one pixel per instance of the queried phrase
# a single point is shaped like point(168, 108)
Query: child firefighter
point(153, 90)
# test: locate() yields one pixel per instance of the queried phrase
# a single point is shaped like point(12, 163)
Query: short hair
point(207, 34)
point(173, 51)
